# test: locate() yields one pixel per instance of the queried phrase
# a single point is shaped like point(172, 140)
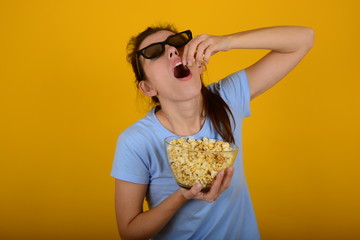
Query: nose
point(171, 51)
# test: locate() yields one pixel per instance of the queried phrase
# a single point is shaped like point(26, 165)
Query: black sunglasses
point(157, 49)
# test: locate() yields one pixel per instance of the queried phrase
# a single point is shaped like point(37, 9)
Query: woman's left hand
point(221, 183)
point(201, 47)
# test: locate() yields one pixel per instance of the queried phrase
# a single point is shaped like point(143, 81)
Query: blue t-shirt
point(140, 157)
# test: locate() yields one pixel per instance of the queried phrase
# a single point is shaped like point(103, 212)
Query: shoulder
point(139, 132)
point(234, 90)
point(132, 143)
point(232, 87)
point(229, 83)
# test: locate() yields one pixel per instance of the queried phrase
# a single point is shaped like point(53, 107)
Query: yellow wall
point(66, 92)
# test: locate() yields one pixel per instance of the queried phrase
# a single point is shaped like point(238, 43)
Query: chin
point(191, 93)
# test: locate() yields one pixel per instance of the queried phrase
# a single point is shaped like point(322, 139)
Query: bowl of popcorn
point(198, 160)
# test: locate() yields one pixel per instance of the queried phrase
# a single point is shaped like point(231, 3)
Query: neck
point(182, 118)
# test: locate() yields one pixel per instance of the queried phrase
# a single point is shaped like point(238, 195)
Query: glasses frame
point(162, 44)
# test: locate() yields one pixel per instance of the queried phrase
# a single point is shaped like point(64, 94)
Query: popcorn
point(198, 161)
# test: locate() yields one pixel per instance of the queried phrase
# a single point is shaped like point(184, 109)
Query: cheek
point(154, 69)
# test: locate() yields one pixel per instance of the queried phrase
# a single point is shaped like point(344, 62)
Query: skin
point(181, 112)
point(160, 82)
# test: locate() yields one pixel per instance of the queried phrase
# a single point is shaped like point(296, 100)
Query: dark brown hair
point(213, 104)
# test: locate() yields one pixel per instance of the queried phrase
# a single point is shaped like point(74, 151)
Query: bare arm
point(288, 45)
point(133, 223)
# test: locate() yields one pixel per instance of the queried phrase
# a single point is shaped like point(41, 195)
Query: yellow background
point(66, 92)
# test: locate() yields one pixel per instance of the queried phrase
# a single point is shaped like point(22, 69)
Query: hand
point(221, 183)
point(202, 47)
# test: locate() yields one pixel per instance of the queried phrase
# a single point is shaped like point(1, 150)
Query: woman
point(168, 67)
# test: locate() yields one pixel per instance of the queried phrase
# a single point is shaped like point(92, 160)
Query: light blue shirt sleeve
point(130, 163)
point(235, 91)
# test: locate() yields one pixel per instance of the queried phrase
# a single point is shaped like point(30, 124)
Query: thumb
point(194, 191)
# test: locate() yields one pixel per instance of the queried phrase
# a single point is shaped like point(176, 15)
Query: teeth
point(178, 63)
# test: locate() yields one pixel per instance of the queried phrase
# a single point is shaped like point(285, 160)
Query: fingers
point(214, 192)
point(207, 55)
point(196, 189)
point(201, 47)
point(221, 183)
point(195, 50)
point(227, 179)
point(193, 193)
point(199, 54)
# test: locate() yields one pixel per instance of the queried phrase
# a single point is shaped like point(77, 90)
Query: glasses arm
point(138, 67)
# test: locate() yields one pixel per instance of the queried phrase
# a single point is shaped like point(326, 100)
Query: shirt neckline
point(168, 133)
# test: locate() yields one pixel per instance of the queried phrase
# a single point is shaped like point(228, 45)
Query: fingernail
point(189, 63)
point(198, 186)
point(198, 63)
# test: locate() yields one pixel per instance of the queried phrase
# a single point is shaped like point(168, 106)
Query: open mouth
point(181, 71)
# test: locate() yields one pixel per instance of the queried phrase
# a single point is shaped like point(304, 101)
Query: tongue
point(181, 71)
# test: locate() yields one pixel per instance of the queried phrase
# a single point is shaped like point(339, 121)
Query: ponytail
point(218, 111)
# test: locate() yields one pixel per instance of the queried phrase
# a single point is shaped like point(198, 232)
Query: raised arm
point(288, 45)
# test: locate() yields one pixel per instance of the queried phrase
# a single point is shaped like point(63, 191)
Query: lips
point(181, 71)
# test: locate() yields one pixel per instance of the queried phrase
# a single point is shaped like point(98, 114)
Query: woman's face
point(160, 76)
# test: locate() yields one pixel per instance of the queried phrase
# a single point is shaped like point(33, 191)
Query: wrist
point(180, 196)
point(230, 41)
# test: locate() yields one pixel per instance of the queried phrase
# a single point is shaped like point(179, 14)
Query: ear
point(147, 89)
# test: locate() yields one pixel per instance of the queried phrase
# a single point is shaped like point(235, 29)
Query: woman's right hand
point(221, 183)
point(129, 198)
point(201, 47)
